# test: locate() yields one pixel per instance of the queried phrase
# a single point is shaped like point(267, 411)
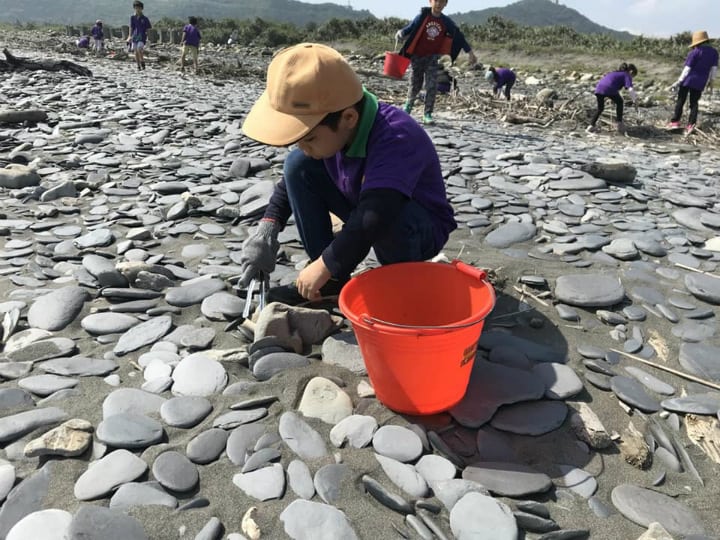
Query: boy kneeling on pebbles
point(369, 163)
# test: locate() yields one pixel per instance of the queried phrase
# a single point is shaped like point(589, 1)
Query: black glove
point(259, 252)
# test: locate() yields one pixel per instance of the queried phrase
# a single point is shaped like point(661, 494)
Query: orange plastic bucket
point(417, 325)
point(395, 65)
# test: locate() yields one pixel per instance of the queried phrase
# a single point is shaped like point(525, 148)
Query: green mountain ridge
point(113, 12)
point(540, 13)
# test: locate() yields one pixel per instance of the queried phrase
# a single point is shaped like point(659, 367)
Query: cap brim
point(269, 126)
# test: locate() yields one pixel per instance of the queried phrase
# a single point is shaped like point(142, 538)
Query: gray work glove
point(259, 252)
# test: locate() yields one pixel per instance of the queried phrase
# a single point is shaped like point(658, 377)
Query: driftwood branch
point(12, 63)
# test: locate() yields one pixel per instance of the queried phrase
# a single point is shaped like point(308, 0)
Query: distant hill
point(119, 11)
point(540, 13)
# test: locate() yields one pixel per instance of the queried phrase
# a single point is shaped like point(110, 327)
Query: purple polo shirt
point(139, 27)
point(504, 76)
point(397, 154)
point(613, 82)
point(97, 32)
point(192, 35)
point(700, 61)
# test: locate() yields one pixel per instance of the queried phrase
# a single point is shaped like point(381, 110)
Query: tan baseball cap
point(305, 82)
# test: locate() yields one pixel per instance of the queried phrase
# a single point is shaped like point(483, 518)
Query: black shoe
point(143, 65)
point(288, 294)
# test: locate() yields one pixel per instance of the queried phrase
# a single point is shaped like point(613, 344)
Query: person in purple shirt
point(368, 163)
point(83, 42)
point(609, 87)
point(190, 43)
point(139, 26)
point(698, 74)
point(501, 78)
point(98, 36)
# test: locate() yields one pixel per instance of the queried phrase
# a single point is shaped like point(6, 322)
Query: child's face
point(137, 9)
point(436, 6)
point(323, 142)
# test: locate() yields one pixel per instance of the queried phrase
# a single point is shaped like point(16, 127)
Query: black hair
point(332, 120)
point(628, 67)
point(192, 20)
point(139, 4)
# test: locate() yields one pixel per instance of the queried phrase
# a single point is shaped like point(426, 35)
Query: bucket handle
point(471, 271)
point(367, 319)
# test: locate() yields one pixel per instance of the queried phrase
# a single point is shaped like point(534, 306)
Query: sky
point(647, 17)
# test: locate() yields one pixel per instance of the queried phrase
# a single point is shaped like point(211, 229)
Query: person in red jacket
point(430, 35)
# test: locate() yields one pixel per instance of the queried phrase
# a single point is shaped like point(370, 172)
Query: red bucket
point(395, 65)
point(417, 325)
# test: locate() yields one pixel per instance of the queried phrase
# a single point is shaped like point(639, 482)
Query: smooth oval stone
point(207, 446)
point(330, 480)
point(126, 430)
point(481, 517)
point(44, 349)
point(300, 437)
point(198, 375)
point(274, 363)
point(631, 392)
point(49, 524)
point(260, 458)
point(577, 480)
point(131, 400)
point(704, 287)
point(264, 484)
point(93, 521)
point(398, 443)
point(694, 404)
point(635, 313)
point(79, 366)
point(510, 233)
point(307, 520)
point(222, 305)
point(403, 476)
point(589, 290)
point(242, 440)
point(508, 479)
point(234, 419)
point(194, 293)
point(107, 473)
point(145, 333)
point(644, 506)
point(530, 417)
point(134, 494)
point(56, 310)
point(175, 472)
point(44, 385)
point(100, 324)
point(185, 411)
point(561, 381)
point(300, 479)
point(650, 381)
point(435, 468)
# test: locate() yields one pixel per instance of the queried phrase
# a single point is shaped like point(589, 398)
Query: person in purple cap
point(609, 88)
point(697, 75)
point(139, 26)
point(503, 80)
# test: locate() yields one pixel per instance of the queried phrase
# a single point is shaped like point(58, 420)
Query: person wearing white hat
point(98, 36)
point(697, 75)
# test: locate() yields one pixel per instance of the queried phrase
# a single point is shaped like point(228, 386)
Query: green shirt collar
point(358, 147)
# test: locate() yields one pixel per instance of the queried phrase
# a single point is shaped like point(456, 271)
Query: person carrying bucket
point(697, 75)
point(428, 36)
point(367, 162)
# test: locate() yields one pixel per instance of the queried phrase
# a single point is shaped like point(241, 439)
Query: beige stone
point(69, 439)
point(634, 448)
point(325, 400)
point(295, 327)
point(588, 428)
point(655, 532)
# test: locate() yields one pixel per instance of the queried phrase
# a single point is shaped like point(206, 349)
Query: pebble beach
point(136, 403)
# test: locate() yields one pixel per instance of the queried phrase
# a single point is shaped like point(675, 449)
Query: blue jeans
point(313, 195)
